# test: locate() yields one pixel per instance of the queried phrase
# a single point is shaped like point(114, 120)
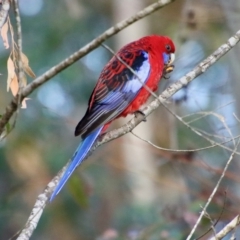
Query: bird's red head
point(162, 43)
point(160, 47)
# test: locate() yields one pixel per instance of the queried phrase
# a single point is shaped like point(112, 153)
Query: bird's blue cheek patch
point(166, 58)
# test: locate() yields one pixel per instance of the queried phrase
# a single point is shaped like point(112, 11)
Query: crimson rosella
point(120, 91)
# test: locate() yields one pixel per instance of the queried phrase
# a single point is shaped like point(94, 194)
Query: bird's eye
point(168, 48)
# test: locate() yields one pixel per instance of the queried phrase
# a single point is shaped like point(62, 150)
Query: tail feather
point(77, 159)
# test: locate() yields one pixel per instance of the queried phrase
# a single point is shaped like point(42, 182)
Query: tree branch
point(37, 211)
point(228, 228)
point(19, 46)
point(4, 12)
point(12, 107)
point(201, 68)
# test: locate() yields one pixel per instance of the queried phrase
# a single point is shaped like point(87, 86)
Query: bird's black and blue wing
point(117, 87)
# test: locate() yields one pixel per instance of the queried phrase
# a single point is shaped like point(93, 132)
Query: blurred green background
point(127, 189)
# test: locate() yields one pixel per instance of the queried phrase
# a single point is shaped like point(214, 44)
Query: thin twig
point(200, 132)
point(205, 114)
point(186, 150)
point(207, 215)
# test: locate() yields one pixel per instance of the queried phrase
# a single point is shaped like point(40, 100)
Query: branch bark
point(228, 228)
point(4, 12)
point(201, 68)
point(19, 46)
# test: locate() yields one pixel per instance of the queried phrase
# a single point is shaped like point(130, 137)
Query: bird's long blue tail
point(77, 159)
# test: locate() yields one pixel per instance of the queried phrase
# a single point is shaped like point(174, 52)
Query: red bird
point(119, 91)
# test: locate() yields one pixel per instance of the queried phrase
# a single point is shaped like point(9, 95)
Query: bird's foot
point(142, 113)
